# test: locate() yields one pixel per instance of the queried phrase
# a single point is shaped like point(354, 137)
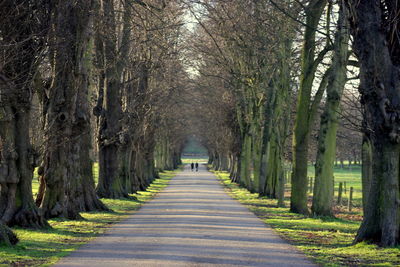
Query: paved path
point(193, 222)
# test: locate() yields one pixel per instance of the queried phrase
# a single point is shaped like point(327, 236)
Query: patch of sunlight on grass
point(95, 170)
point(35, 183)
point(194, 160)
point(350, 176)
point(328, 241)
point(46, 246)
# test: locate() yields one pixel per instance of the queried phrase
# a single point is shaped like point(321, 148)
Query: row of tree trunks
point(256, 153)
point(221, 161)
point(167, 154)
point(276, 127)
point(375, 27)
point(53, 56)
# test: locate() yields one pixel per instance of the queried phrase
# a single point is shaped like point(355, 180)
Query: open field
point(327, 240)
point(44, 247)
point(352, 178)
point(200, 160)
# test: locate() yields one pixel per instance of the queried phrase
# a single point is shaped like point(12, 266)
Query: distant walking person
point(192, 166)
point(197, 167)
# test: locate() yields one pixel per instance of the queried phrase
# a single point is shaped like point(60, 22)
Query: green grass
point(352, 178)
point(45, 247)
point(35, 183)
point(189, 160)
point(327, 241)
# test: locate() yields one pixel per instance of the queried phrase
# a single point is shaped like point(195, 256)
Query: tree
point(67, 168)
point(243, 49)
point(306, 107)
point(136, 46)
point(278, 106)
point(374, 25)
point(21, 45)
point(326, 155)
point(109, 108)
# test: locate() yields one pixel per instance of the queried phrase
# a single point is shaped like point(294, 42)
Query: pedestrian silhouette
point(197, 167)
point(192, 166)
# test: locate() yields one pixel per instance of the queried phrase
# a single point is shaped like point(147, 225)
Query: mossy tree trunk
point(306, 108)
point(245, 162)
point(277, 115)
point(323, 188)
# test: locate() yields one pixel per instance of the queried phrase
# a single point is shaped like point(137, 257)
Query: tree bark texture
point(67, 168)
point(323, 188)
point(301, 135)
point(375, 29)
point(21, 43)
point(110, 183)
point(7, 237)
point(366, 169)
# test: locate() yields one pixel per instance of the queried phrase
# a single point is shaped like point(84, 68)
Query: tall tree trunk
point(80, 185)
point(304, 113)
point(68, 178)
point(323, 187)
point(110, 183)
point(376, 34)
point(20, 45)
point(269, 110)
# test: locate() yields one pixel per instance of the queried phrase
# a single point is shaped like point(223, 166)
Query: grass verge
point(327, 241)
point(45, 247)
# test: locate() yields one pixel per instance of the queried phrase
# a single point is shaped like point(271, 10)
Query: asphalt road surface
point(193, 222)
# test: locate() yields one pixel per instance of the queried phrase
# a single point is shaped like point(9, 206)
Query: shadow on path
point(193, 222)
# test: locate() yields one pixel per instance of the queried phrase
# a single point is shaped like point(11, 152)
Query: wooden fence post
point(339, 198)
point(350, 203)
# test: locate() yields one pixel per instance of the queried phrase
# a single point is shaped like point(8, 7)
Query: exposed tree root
point(7, 236)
